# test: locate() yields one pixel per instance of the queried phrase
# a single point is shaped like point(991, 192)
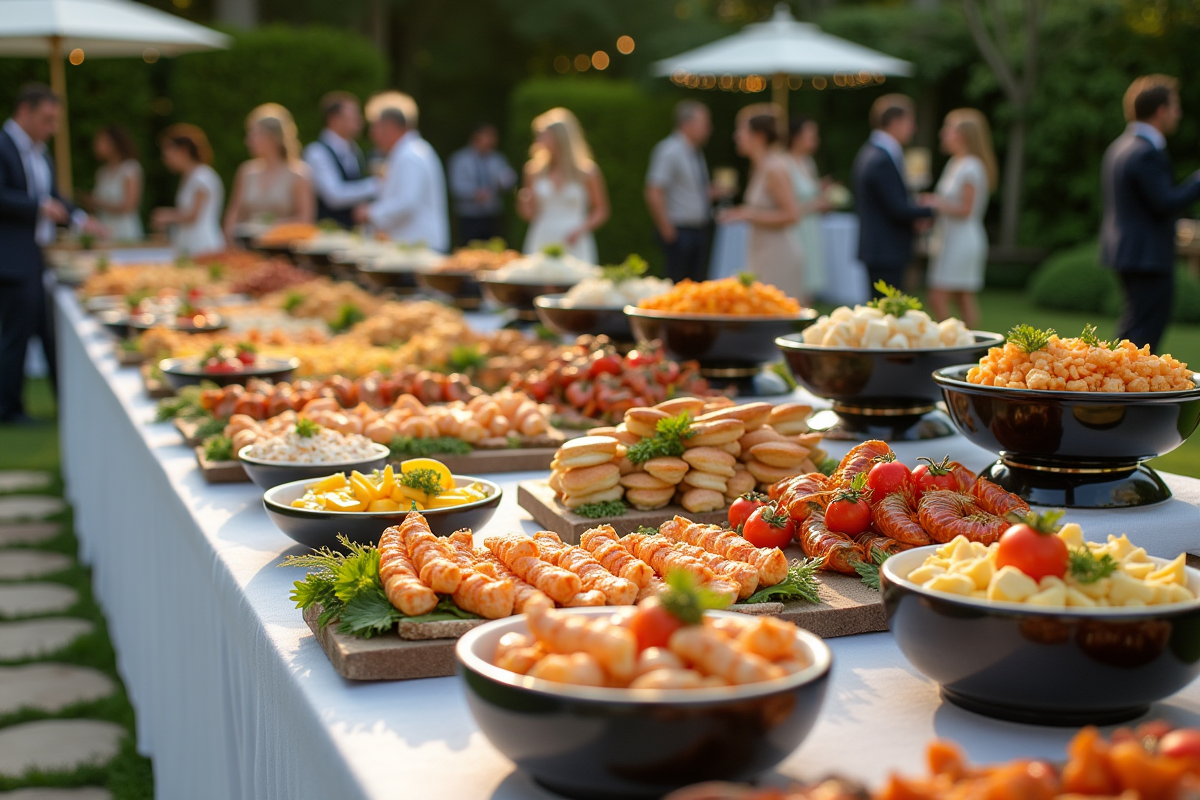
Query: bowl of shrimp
point(568, 697)
point(1074, 449)
point(1039, 661)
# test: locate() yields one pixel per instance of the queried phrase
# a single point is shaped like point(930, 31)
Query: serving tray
point(155, 388)
point(220, 471)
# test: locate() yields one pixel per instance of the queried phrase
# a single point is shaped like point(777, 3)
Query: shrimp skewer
point(524, 595)
point(659, 554)
point(798, 491)
point(771, 563)
point(895, 517)
point(716, 655)
point(401, 584)
point(520, 555)
point(947, 514)
point(603, 544)
point(617, 591)
point(433, 557)
point(744, 575)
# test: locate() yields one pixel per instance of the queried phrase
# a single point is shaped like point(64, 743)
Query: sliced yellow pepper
point(330, 484)
point(387, 482)
point(386, 504)
point(364, 490)
point(410, 493)
point(335, 501)
point(441, 501)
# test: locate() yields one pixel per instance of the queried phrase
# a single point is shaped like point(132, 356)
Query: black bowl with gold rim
point(460, 288)
point(1072, 449)
point(879, 393)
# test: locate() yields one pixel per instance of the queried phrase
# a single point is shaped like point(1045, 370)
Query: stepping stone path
point(28, 533)
point(57, 744)
point(23, 480)
point(28, 599)
point(24, 564)
point(50, 687)
point(29, 507)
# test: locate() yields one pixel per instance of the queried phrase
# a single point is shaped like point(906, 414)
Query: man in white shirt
point(679, 195)
point(339, 170)
point(411, 207)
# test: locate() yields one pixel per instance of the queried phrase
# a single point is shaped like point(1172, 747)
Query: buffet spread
point(696, 543)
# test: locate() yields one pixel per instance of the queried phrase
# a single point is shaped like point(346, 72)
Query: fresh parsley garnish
point(800, 584)
point(306, 428)
point(747, 279)
point(646, 530)
point(466, 357)
point(346, 318)
point(554, 251)
point(611, 508)
point(894, 302)
point(218, 448)
point(668, 441)
point(632, 267)
point(1029, 338)
point(292, 301)
point(1086, 567)
point(405, 447)
point(1090, 337)
point(686, 600)
point(423, 480)
point(869, 572)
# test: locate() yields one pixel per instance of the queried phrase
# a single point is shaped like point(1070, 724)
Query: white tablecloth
point(236, 700)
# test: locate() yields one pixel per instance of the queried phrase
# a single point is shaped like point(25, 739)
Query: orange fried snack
point(658, 553)
point(403, 588)
point(771, 563)
point(520, 555)
point(614, 647)
point(617, 591)
point(603, 544)
point(724, 296)
point(713, 654)
point(588, 597)
point(1074, 365)
point(433, 557)
point(479, 593)
point(741, 574)
point(483, 562)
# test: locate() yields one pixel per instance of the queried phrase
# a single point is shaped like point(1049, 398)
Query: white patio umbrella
point(101, 29)
point(781, 50)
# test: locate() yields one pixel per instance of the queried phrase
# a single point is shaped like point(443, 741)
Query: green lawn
point(34, 447)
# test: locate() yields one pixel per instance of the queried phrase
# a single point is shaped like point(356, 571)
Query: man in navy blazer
point(30, 208)
point(886, 211)
point(1141, 204)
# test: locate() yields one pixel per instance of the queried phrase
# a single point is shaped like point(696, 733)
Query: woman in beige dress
point(772, 251)
point(274, 186)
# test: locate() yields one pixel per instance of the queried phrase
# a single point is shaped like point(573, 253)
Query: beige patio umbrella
point(100, 29)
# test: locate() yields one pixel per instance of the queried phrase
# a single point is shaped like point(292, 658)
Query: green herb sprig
point(800, 584)
point(686, 600)
point(634, 266)
point(1090, 337)
point(306, 428)
point(747, 279)
point(894, 301)
point(869, 571)
point(611, 508)
point(1029, 338)
point(667, 441)
point(423, 480)
point(1086, 567)
point(646, 530)
point(218, 448)
point(466, 357)
point(404, 447)
point(346, 318)
point(292, 301)
point(554, 251)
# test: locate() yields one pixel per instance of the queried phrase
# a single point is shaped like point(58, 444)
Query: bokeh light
point(562, 65)
point(625, 45)
point(76, 57)
point(582, 62)
point(600, 59)
point(150, 55)
point(683, 10)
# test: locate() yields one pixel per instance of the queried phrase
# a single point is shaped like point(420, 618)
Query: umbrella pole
point(62, 137)
point(779, 96)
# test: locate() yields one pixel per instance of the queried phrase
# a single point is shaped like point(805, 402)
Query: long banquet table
point(235, 699)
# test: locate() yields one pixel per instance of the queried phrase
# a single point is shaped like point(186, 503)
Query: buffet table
point(235, 699)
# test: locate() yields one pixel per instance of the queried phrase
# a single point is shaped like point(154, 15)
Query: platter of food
point(1074, 419)
point(454, 277)
point(218, 466)
point(874, 364)
point(224, 366)
point(597, 305)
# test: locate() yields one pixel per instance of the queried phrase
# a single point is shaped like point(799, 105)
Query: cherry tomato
point(741, 509)
point(767, 527)
point(887, 476)
point(652, 624)
point(1032, 547)
point(607, 364)
point(667, 373)
point(222, 366)
point(1182, 743)
point(848, 516)
point(933, 476)
point(247, 357)
point(643, 357)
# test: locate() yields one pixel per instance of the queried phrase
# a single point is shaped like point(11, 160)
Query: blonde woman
point(563, 196)
point(274, 186)
point(959, 247)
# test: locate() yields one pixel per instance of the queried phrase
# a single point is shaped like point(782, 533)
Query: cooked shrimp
point(604, 546)
point(895, 516)
point(715, 655)
point(860, 459)
point(945, 515)
point(401, 584)
point(994, 500)
point(817, 541)
point(614, 647)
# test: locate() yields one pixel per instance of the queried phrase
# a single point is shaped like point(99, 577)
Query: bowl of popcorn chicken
point(1094, 642)
point(573, 698)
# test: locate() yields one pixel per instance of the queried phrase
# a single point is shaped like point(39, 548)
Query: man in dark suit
point(30, 207)
point(1141, 204)
point(886, 211)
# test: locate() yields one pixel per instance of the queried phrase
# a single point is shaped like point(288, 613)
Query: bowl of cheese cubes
point(875, 364)
point(1070, 632)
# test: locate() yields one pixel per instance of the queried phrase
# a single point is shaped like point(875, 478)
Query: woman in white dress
point(274, 186)
point(563, 196)
point(118, 191)
point(195, 220)
point(959, 246)
point(805, 138)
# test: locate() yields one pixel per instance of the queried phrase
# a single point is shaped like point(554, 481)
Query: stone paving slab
point(57, 745)
point(29, 507)
point(39, 637)
point(28, 533)
point(82, 793)
point(24, 564)
point(50, 687)
point(28, 599)
point(23, 480)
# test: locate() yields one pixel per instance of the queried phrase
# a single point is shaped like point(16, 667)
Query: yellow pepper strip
point(341, 502)
point(386, 504)
point(364, 490)
point(330, 484)
point(387, 482)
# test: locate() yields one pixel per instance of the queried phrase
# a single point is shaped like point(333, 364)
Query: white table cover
point(235, 699)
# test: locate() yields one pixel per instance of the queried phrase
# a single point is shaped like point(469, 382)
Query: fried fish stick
point(771, 563)
point(713, 654)
point(615, 648)
point(485, 596)
point(744, 575)
point(603, 544)
point(590, 597)
point(399, 577)
point(433, 557)
point(654, 587)
point(617, 591)
point(525, 597)
point(520, 554)
point(657, 551)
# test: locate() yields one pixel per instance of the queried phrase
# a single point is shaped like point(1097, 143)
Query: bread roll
point(710, 459)
point(733, 448)
point(752, 415)
point(649, 499)
point(741, 482)
point(626, 436)
point(586, 451)
point(644, 421)
point(604, 496)
point(789, 418)
point(677, 405)
point(765, 473)
point(779, 454)
point(590, 479)
point(706, 480)
point(668, 469)
point(715, 432)
point(764, 434)
point(715, 403)
point(700, 500)
point(555, 481)
point(644, 480)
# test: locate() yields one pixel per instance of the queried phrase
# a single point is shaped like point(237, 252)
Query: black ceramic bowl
point(269, 474)
point(1046, 667)
point(460, 287)
point(1077, 449)
point(726, 346)
point(144, 322)
point(588, 742)
point(187, 371)
point(380, 278)
point(573, 320)
point(879, 393)
point(320, 528)
point(518, 296)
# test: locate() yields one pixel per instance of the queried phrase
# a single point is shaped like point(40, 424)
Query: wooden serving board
point(187, 429)
point(535, 458)
point(155, 388)
point(220, 471)
point(127, 358)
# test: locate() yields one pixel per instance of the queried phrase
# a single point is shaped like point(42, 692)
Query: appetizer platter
point(219, 465)
point(596, 305)
point(454, 277)
point(874, 364)
point(1074, 419)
